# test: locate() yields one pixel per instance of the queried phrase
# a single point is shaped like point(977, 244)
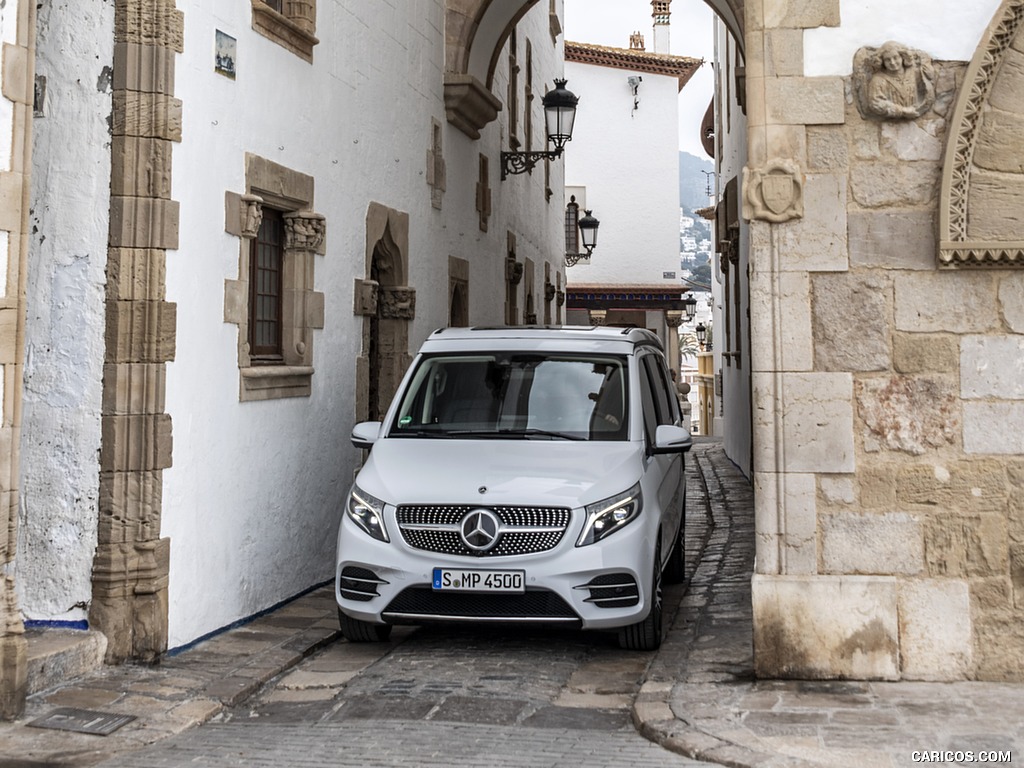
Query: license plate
point(459, 580)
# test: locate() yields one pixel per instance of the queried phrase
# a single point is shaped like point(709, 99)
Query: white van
point(521, 474)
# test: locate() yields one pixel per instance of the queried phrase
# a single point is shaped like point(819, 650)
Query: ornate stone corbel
point(366, 294)
point(673, 318)
point(304, 231)
point(251, 211)
point(549, 291)
point(560, 298)
point(398, 303)
point(598, 316)
point(513, 270)
point(774, 193)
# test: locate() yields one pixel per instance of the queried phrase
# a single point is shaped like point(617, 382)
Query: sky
point(611, 22)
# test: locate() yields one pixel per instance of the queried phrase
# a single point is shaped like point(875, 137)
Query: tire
point(675, 568)
point(356, 631)
point(645, 635)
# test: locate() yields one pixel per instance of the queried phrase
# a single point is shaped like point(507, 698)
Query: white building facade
point(624, 166)
point(245, 218)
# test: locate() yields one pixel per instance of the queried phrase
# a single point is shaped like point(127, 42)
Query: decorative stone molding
point(468, 105)
point(294, 29)
point(893, 82)
point(774, 193)
point(269, 185)
point(598, 316)
point(979, 209)
point(549, 291)
point(130, 567)
point(397, 303)
point(513, 270)
point(252, 215)
point(366, 293)
point(304, 231)
point(673, 319)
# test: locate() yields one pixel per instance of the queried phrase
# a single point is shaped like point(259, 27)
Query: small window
point(266, 265)
point(572, 226)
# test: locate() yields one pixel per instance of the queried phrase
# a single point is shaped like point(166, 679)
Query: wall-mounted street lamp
point(588, 236)
point(702, 334)
point(690, 307)
point(559, 115)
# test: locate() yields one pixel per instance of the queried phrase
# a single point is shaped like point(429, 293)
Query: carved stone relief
point(398, 303)
point(893, 82)
point(252, 215)
point(304, 231)
point(774, 193)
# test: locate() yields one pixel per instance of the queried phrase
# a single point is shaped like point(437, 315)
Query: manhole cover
point(82, 721)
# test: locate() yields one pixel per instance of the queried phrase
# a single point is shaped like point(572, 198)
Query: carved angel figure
point(893, 82)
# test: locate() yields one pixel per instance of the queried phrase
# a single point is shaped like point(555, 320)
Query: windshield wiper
point(524, 433)
point(420, 433)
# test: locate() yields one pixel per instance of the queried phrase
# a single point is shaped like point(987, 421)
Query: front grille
point(532, 605)
point(524, 530)
point(612, 590)
point(359, 583)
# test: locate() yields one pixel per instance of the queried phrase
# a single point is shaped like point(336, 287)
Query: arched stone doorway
point(387, 306)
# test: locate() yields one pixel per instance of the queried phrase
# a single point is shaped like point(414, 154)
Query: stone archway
point(387, 306)
point(982, 182)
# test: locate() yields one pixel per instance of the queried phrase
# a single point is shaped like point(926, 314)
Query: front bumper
point(600, 586)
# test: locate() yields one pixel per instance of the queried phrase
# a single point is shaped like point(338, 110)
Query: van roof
point(548, 333)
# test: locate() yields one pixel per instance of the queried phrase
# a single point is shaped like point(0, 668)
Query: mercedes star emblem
point(479, 529)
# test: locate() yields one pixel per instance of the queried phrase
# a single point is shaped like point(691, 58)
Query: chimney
point(661, 10)
point(636, 42)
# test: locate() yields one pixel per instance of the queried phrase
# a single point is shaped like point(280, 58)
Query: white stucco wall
point(922, 24)
point(9, 35)
point(734, 424)
point(254, 495)
point(65, 312)
point(628, 162)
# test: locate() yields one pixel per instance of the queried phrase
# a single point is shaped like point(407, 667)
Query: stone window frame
point(294, 29)
point(291, 192)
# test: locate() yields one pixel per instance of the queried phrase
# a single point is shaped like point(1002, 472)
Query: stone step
point(57, 656)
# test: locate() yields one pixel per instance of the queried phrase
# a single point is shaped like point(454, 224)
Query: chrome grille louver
point(523, 531)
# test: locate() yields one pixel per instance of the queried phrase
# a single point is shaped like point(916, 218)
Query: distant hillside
point(693, 183)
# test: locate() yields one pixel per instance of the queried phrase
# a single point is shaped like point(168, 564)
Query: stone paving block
point(232, 690)
point(473, 709)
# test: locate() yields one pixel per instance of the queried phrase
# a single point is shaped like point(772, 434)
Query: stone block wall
point(888, 394)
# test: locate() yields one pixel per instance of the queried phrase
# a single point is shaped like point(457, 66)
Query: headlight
point(367, 512)
point(607, 516)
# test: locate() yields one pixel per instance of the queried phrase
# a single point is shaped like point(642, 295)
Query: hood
point(542, 472)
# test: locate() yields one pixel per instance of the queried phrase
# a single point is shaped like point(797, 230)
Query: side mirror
point(365, 434)
point(671, 439)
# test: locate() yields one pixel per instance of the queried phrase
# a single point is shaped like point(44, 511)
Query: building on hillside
point(870, 251)
point(624, 167)
point(244, 219)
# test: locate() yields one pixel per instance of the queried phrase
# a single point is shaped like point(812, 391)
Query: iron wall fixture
point(559, 115)
point(588, 237)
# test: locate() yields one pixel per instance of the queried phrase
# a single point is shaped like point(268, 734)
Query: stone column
point(130, 569)
point(18, 77)
point(805, 621)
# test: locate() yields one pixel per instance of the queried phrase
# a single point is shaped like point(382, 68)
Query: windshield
point(516, 395)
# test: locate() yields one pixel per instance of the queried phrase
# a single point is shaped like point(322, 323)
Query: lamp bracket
point(572, 259)
point(521, 162)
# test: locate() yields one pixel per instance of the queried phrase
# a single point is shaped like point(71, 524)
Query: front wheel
point(675, 568)
point(356, 631)
point(646, 635)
